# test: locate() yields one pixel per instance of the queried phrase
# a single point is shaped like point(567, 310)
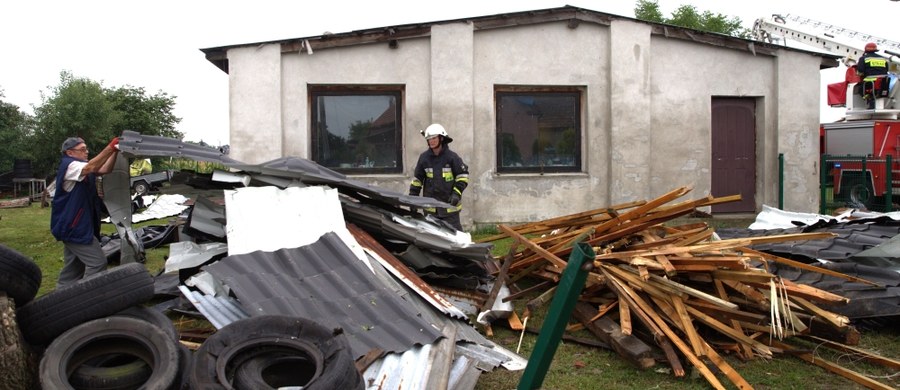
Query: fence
point(860, 182)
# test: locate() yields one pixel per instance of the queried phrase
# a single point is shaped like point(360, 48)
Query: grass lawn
point(575, 366)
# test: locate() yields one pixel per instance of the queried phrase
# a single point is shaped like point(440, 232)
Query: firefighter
point(872, 67)
point(440, 174)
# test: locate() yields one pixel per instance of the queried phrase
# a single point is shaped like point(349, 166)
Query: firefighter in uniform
point(440, 174)
point(872, 66)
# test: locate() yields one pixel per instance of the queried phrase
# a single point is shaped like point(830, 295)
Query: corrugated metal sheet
point(219, 311)
point(326, 282)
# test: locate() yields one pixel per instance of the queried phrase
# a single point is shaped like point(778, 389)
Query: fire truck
point(861, 151)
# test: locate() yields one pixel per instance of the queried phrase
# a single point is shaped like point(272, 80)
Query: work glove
point(113, 143)
point(454, 199)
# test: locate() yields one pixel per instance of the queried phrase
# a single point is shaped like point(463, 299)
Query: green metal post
point(581, 261)
point(889, 184)
point(823, 185)
point(781, 181)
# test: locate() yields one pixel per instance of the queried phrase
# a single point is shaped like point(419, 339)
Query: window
point(357, 129)
point(538, 130)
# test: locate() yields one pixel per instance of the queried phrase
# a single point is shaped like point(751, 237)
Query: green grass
point(575, 366)
point(27, 230)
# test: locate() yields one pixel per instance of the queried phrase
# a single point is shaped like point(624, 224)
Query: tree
point(151, 115)
point(688, 16)
point(15, 128)
point(649, 11)
point(76, 107)
point(84, 108)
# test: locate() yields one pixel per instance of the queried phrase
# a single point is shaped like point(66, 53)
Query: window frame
point(578, 93)
point(395, 91)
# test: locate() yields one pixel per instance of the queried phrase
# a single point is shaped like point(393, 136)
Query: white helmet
point(436, 130)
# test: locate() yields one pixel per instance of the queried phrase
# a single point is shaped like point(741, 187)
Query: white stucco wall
point(646, 109)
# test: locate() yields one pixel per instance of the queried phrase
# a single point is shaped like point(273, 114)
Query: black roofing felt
point(852, 237)
point(866, 301)
point(326, 282)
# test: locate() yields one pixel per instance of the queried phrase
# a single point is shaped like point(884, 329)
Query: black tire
point(323, 357)
point(141, 188)
point(20, 277)
point(118, 372)
point(112, 336)
point(152, 316)
point(275, 371)
point(97, 296)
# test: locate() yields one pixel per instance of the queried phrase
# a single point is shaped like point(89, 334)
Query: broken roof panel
point(133, 144)
point(326, 282)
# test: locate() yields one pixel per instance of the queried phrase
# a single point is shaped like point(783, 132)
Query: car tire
point(96, 296)
point(152, 316)
point(20, 277)
point(139, 340)
point(321, 357)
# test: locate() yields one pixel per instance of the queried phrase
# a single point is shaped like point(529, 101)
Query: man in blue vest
point(75, 214)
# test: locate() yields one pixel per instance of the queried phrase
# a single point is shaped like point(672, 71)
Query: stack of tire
point(95, 334)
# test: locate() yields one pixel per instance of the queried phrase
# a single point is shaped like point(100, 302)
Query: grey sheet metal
point(326, 282)
point(117, 197)
point(219, 311)
point(207, 217)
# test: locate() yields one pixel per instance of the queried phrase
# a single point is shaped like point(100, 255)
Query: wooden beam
point(635, 351)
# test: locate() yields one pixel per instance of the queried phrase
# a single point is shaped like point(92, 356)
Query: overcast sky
point(157, 46)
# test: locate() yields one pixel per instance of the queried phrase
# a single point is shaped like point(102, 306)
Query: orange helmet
point(871, 46)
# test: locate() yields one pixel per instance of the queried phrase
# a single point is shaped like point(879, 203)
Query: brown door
point(734, 153)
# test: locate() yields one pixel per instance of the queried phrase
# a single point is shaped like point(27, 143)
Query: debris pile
point(674, 286)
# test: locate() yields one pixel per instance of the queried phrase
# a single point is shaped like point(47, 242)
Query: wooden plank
point(655, 331)
point(688, 326)
point(858, 353)
point(625, 318)
point(835, 320)
point(670, 334)
point(708, 350)
point(808, 267)
point(633, 349)
point(726, 330)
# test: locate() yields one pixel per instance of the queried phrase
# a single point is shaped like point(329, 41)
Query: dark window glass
point(538, 131)
point(357, 131)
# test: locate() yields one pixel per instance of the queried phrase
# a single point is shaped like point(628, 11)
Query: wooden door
point(734, 153)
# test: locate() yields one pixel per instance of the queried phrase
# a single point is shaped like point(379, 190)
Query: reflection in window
point(538, 131)
point(356, 131)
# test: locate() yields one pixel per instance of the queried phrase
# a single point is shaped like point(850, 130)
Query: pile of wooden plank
point(694, 296)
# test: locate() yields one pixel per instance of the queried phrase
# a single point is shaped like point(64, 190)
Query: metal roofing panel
point(219, 311)
point(325, 279)
point(207, 217)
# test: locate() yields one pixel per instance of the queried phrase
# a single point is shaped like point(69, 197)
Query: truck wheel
point(860, 195)
point(141, 188)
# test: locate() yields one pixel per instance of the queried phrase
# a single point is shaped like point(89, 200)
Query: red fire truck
point(859, 148)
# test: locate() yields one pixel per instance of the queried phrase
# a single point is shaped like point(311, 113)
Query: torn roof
point(133, 144)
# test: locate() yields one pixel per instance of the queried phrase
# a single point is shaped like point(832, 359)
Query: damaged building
point(554, 110)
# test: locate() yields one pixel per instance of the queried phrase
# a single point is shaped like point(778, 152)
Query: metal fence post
point(571, 282)
point(823, 186)
point(781, 181)
point(889, 184)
